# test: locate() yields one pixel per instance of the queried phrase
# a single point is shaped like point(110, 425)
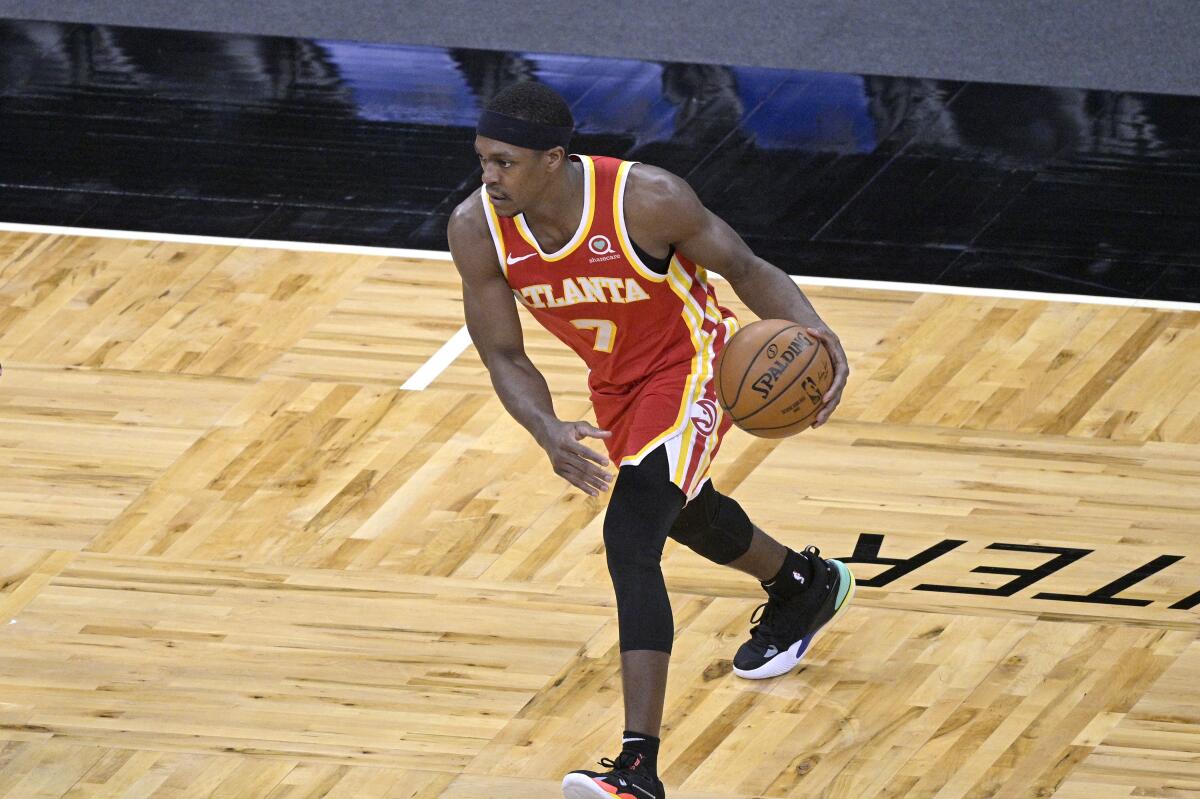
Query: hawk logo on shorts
point(704, 416)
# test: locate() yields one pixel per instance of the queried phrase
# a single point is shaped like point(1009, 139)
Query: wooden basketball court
point(237, 560)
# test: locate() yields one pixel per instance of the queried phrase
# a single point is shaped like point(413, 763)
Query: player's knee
point(626, 551)
point(629, 544)
point(639, 515)
point(714, 526)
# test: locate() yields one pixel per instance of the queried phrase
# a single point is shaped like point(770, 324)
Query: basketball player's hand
point(580, 466)
point(841, 371)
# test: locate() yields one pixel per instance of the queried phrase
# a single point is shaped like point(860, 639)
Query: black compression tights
point(644, 510)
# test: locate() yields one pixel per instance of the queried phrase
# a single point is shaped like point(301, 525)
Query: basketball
point(771, 377)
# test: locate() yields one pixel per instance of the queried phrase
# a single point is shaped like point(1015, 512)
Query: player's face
point(512, 176)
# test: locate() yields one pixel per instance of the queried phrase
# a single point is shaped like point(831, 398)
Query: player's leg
point(804, 591)
point(642, 508)
point(715, 527)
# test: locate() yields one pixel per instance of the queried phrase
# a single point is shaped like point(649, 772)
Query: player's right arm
point(495, 330)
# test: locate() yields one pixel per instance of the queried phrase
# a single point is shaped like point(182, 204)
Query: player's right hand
point(580, 466)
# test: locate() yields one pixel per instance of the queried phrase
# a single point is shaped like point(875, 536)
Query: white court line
point(1008, 294)
point(218, 241)
point(440, 255)
point(440, 361)
point(459, 342)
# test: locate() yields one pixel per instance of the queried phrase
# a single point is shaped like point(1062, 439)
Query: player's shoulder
point(467, 218)
point(470, 239)
point(651, 188)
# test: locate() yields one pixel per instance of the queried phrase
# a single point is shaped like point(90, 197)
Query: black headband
point(523, 133)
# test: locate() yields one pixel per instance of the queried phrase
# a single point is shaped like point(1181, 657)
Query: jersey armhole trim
point(489, 213)
point(623, 238)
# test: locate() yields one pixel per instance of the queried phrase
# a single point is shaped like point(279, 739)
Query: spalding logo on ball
point(771, 376)
point(795, 348)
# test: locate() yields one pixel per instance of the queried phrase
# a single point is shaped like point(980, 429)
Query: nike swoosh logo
point(512, 260)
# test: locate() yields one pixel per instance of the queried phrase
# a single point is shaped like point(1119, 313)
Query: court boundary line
point(222, 241)
point(442, 255)
point(461, 340)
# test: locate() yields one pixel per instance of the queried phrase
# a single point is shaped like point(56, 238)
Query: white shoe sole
point(789, 658)
point(577, 786)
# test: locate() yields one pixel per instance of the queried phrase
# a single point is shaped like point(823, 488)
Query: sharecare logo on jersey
point(602, 250)
point(704, 416)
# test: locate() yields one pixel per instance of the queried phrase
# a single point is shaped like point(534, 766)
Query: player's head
point(521, 141)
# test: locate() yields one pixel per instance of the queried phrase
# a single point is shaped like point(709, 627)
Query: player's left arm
point(662, 210)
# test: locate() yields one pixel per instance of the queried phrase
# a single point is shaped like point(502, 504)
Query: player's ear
point(555, 157)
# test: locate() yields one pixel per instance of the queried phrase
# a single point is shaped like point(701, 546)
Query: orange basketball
point(771, 377)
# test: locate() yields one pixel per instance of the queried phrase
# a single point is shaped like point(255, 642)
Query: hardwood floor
point(237, 560)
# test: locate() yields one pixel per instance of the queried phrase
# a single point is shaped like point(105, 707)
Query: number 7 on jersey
point(606, 332)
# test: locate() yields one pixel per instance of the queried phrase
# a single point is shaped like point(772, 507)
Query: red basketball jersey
point(625, 320)
point(648, 339)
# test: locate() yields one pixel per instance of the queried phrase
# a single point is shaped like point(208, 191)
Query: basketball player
point(606, 255)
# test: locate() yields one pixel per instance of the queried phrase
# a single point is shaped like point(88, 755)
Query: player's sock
point(793, 577)
point(645, 747)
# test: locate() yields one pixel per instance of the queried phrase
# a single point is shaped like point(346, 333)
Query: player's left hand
point(579, 465)
point(841, 371)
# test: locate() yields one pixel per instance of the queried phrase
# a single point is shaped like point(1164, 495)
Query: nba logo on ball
point(704, 416)
point(600, 245)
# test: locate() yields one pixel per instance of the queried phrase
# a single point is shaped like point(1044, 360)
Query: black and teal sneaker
point(784, 629)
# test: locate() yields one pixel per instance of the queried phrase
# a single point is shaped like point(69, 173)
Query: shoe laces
point(626, 761)
point(768, 613)
point(762, 619)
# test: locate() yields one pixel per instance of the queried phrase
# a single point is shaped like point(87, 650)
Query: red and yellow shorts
point(676, 409)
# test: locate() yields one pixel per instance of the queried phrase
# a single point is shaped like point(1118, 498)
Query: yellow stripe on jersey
point(493, 222)
point(710, 442)
point(701, 374)
point(710, 306)
point(585, 222)
point(623, 239)
point(693, 317)
point(731, 326)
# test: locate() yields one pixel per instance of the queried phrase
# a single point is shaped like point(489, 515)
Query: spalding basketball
point(771, 376)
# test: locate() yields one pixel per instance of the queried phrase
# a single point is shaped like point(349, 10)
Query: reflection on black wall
point(838, 175)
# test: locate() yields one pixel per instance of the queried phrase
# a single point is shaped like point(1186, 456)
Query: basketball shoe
point(623, 780)
point(785, 627)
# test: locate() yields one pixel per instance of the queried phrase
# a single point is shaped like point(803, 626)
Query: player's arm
point(495, 330)
point(663, 210)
